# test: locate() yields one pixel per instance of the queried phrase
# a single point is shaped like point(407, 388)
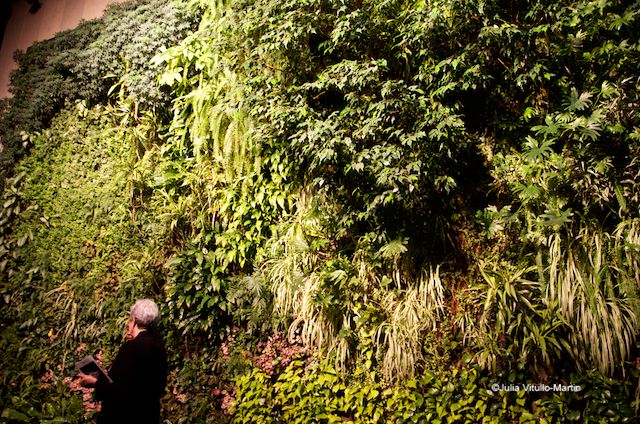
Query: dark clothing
point(139, 375)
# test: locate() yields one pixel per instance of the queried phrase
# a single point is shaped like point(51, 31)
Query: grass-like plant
point(594, 281)
point(417, 310)
point(584, 303)
point(291, 272)
point(515, 324)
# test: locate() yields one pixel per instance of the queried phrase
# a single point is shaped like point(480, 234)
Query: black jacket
point(139, 375)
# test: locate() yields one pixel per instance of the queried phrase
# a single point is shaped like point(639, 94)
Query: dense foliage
point(85, 62)
point(46, 65)
point(348, 210)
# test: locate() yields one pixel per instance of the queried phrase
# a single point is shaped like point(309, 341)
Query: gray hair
point(145, 313)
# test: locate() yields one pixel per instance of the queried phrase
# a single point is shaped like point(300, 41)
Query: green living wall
point(348, 211)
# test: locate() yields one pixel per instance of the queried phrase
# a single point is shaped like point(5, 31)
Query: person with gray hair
point(138, 373)
point(144, 313)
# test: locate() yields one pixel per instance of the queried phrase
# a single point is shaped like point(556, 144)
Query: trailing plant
point(411, 315)
point(318, 393)
point(602, 400)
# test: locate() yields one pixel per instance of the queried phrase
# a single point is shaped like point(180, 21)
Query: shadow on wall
point(5, 13)
point(35, 5)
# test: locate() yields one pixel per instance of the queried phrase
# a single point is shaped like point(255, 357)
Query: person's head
point(144, 315)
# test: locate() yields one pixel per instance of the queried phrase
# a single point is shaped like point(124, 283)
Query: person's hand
point(86, 380)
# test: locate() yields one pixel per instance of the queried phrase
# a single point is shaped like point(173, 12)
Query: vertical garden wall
point(349, 211)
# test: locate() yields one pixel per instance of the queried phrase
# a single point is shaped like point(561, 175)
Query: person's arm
point(123, 374)
point(139, 371)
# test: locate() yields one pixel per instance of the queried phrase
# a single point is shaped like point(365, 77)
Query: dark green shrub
point(83, 63)
point(42, 82)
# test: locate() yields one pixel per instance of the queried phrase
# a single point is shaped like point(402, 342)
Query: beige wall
point(24, 28)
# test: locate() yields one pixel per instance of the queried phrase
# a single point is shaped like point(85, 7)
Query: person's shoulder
point(147, 341)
